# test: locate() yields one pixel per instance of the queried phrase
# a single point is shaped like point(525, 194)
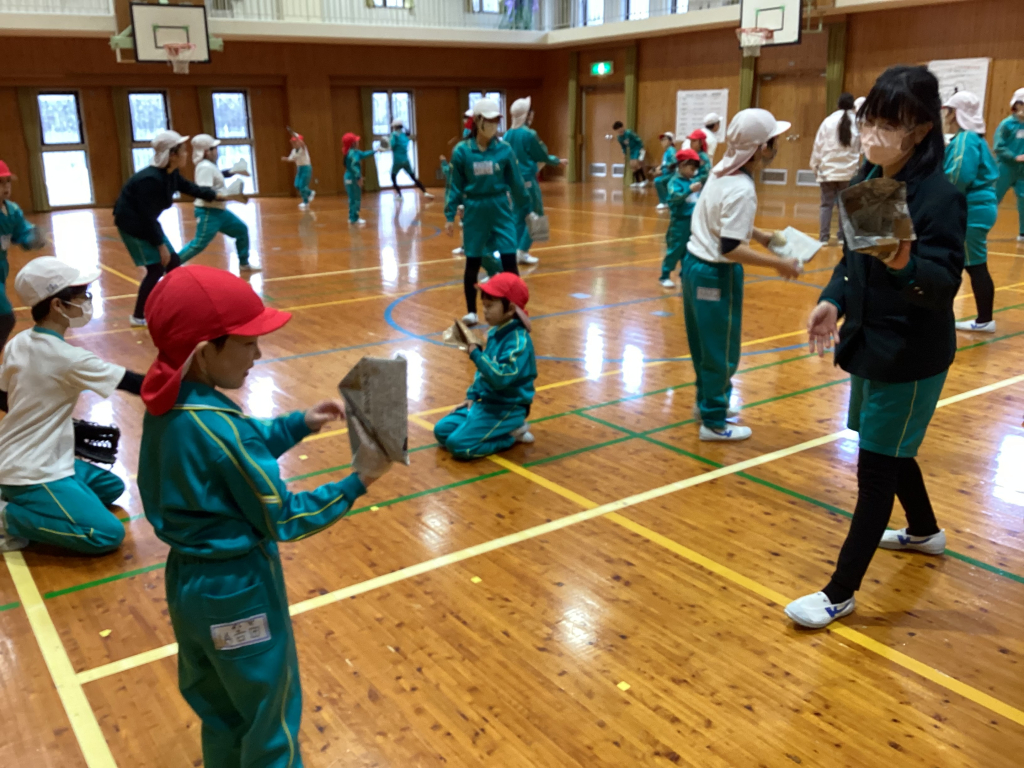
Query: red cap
point(348, 141)
point(687, 154)
point(699, 135)
point(5, 171)
point(192, 305)
point(506, 285)
point(297, 137)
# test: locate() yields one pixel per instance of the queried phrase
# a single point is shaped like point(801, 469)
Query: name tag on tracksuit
point(484, 167)
point(239, 634)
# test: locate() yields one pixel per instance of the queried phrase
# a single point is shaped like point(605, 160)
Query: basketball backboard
point(782, 17)
point(154, 26)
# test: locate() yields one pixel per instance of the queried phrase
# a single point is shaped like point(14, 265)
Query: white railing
point(73, 7)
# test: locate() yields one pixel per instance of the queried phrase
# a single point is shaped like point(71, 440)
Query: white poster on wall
point(961, 75)
point(692, 106)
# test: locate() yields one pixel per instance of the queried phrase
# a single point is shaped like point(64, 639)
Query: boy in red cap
point(681, 199)
point(493, 418)
point(352, 156)
point(211, 488)
point(13, 229)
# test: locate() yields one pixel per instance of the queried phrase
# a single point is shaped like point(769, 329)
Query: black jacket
point(146, 195)
point(899, 325)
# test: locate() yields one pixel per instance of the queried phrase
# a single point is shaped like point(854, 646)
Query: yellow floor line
point(80, 713)
point(122, 275)
point(595, 242)
point(530, 533)
point(335, 273)
point(1000, 288)
point(1011, 255)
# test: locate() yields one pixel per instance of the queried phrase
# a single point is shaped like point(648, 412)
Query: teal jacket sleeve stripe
point(283, 433)
point(961, 163)
point(507, 367)
point(254, 481)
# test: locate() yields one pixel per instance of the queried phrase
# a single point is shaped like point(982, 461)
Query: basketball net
point(752, 38)
point(179, 55)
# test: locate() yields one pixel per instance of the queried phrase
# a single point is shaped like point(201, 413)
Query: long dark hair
point(909, 96)
point(845, 124)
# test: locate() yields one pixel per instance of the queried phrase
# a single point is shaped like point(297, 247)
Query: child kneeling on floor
point(493, 418)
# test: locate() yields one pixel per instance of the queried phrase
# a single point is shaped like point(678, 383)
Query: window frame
point(398, 5)
point(477, 6)
point(131, 119)
point(82, 146)
point(413, 138)
point(249, 141)
point(503, 103)
point(585, 16)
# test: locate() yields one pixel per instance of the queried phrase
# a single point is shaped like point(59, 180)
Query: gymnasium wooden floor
point(610, 596)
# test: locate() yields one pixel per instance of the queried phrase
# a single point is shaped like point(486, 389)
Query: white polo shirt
point(726, 208)
point(300, 156)
point(43, 376)
point(209, 175)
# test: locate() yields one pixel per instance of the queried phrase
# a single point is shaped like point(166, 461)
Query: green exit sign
point(601, 68)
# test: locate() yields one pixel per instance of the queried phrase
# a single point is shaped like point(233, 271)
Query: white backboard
point(155, 25)
point(783, 17)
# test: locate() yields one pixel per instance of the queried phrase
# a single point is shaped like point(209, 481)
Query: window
point(486, 6)
point(638, 9)
point(65, 163)
point(233, 127)
point(386, 107)
point(593, 12)
point(390, 4)
point(498, 96)
point(682, 6)
point(149, 117)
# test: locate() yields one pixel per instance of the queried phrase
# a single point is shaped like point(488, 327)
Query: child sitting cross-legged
point(493, 418)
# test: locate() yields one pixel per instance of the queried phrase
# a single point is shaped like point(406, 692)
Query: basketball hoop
point(752, 38)
point(179, 55)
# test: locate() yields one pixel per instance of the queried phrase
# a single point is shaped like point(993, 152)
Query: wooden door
point(601, 108)
point(800, 99)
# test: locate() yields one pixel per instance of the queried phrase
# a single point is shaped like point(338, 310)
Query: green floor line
point(105, 580)
point(9, 606)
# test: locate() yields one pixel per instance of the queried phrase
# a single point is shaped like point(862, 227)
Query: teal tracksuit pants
point(483, 430)
point(237, 666)
point(70, 513)
point(355, 198)
point(713, 311)
point(661, 187)
point(210, 221)
point(980, 220)
point(143, 254)
point(489, 225)
point(303, 175)
point(1011, 176)
point(676, 238)
point(534, 205)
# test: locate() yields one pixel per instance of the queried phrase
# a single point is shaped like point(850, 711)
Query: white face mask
point(883, 146)
point(487, 129)
point(78, 322)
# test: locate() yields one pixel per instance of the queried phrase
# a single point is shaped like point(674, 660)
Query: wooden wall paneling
point(97, 105)
point(809, 55)
point(552, 111)
point(14, 151)
point(267, 106)
point(191, 110)
point(307, 91)
point(347, 115)
point(370, 181)
point(438, 118)
point(835, 68)
point(33, 137)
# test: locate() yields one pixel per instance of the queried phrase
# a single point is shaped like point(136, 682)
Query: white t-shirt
point(43, 376)
point(726, 208)
point(209, 175)
point(300, 156)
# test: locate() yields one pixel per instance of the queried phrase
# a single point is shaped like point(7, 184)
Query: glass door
point(389, 106)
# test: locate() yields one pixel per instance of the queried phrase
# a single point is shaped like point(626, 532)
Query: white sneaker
point(730, 413)
point(970, 325)
point(249, 268)
point(817, 611)
point(136, 322)
point(483, 279)
point(930, 545)
point(312, 194)
point(428, 196)
point(728, 434)
point(1020, 238)
point(524, 258)
point(458, 251)
point(660, 207)
point(357, 223)
point(303, 206)
point(666, 283)
point(470, 318)
point(9, 543)
point(523, 435)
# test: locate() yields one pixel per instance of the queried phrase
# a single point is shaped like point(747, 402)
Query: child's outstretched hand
point(324, 413)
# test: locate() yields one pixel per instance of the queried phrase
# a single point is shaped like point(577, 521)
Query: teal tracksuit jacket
point(353, 175)
point(1009, 145)
point(970, 167)
point(668, 167)
point(631, 145)
point(13, 229)
point(530, 152)
point(681, 202)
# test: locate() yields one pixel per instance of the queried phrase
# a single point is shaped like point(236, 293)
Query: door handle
point(794, 137)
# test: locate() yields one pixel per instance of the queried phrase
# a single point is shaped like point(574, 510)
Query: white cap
point(711, 118)
point(201, 143)
point(859, 102)
point(668, 135)
point(45, 277)
point(486, 108)
point(1018, 95)
point(468, 113)
point(397, 123)
point(749, 130)
point(520, 110)
point(163, 143)
point(968, 111)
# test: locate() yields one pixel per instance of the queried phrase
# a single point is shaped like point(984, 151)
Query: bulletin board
point(961, 75)
point(692, 106)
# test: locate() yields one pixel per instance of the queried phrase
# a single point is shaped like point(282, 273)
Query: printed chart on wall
point(692, 106)
point(961, 75)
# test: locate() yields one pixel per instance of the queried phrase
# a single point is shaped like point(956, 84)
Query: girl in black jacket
point(898, 340)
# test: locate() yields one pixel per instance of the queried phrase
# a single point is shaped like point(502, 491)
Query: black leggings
point(469, 277)
point(6, 326)
point(984, 291)
point(880, 479)
point(153, 274)
point(639, 175)
point(394, 179)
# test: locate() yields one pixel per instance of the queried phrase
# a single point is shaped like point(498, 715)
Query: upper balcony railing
point(72, 7)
